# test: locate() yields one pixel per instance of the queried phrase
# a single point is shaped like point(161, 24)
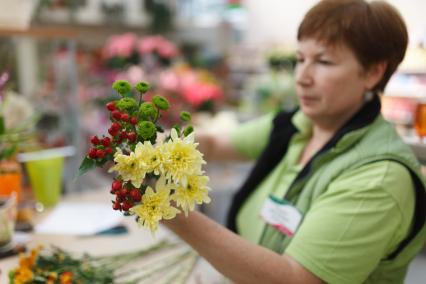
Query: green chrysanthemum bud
point(122, 87)
point(161, 102)
point(142, 87)
point(185, 116)
point(148, 110)
point(128, 104)
point(146, 129)
point(188, 130)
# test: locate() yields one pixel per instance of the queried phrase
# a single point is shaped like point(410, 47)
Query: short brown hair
point(374, 31)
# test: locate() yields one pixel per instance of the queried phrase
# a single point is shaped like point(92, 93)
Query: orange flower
point(24, 262)
point(66, 277)
point(23, 275)
point(53, 276)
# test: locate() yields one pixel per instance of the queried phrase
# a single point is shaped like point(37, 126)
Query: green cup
point(46, 179)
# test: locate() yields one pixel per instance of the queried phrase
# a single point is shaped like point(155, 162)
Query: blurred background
point(226, 61)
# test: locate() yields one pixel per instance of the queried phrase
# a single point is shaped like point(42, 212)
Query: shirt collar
point(364, 117)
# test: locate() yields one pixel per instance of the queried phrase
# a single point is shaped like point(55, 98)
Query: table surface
point(136, 238)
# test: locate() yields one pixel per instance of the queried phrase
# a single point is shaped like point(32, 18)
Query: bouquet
point(57, 266)
point(155, 178)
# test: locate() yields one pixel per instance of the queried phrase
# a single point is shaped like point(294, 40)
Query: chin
point(309, 110)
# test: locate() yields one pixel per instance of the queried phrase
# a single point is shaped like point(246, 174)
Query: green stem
point(157, 116)
point(183, 272)
point(190, 268)
point(166, 265)
point(161, 245)
point(140, 100)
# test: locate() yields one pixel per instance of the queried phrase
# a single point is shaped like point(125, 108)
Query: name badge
point(281, 214)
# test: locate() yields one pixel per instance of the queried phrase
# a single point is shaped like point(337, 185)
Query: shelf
point(69, 31)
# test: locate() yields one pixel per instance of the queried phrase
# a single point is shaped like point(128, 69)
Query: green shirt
point(327, 242)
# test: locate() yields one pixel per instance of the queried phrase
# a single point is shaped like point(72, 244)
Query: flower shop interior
point(202, 66)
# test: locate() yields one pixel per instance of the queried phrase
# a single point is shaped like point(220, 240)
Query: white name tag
point(281, 215)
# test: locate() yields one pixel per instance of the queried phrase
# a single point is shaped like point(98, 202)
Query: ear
point(375, 74)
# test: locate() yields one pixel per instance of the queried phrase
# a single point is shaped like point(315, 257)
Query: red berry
point(135, 195)
point(100, 153)
point(116, 114)
point(110, 106)
point(133, 120)
point(95, 140)
point(123, 192)
point(111, 131)
point(116, 206)
point(116, 185)
point(125, 117)
point(93, 153)
point(131, 136)
point(106, 141)
point(108, 150)
point(127, 205)
point(115, 126)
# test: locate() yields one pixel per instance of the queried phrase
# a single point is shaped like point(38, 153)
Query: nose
point(303, 74)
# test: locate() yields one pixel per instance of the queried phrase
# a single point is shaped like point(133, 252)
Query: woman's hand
point(217, 147)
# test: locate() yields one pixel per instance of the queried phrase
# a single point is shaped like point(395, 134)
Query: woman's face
point(330, 81)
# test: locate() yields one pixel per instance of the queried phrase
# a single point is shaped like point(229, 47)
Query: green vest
point(374, 142)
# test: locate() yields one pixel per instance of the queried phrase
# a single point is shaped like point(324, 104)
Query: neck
point(325, 128)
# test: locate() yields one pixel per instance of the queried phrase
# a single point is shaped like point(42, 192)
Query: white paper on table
point(79, 219)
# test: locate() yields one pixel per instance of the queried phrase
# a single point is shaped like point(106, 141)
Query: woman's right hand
point(217, 147)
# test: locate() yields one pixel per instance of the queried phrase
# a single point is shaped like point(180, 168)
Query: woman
point(340, 195)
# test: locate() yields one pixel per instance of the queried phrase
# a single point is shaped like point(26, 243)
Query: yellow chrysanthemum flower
point(155, 206)
point(129, 167)
point(196, 191)
point(183, 159)
point(150, 156)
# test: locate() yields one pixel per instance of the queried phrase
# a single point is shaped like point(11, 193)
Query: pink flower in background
point(188, 78)
point(199, 93)
point(120, 45)
point(169, 81)
point(195, 86)
point(159, 44)
point(148, 44)
point(133, 74)
point(167, 49)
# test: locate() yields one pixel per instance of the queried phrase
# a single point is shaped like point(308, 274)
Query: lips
point(307, 99)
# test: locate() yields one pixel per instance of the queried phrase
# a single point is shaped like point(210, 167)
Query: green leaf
point(86, 165)
point(2, 127)
point(101, 163)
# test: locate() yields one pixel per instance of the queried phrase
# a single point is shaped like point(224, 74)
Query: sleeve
point(251, 137)
point(357, 222)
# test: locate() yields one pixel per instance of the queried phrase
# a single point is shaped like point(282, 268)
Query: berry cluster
point(101, 147)
point(121, 130)
point(125, 195)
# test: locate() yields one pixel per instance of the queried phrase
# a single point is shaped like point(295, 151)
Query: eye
point(325, 62)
